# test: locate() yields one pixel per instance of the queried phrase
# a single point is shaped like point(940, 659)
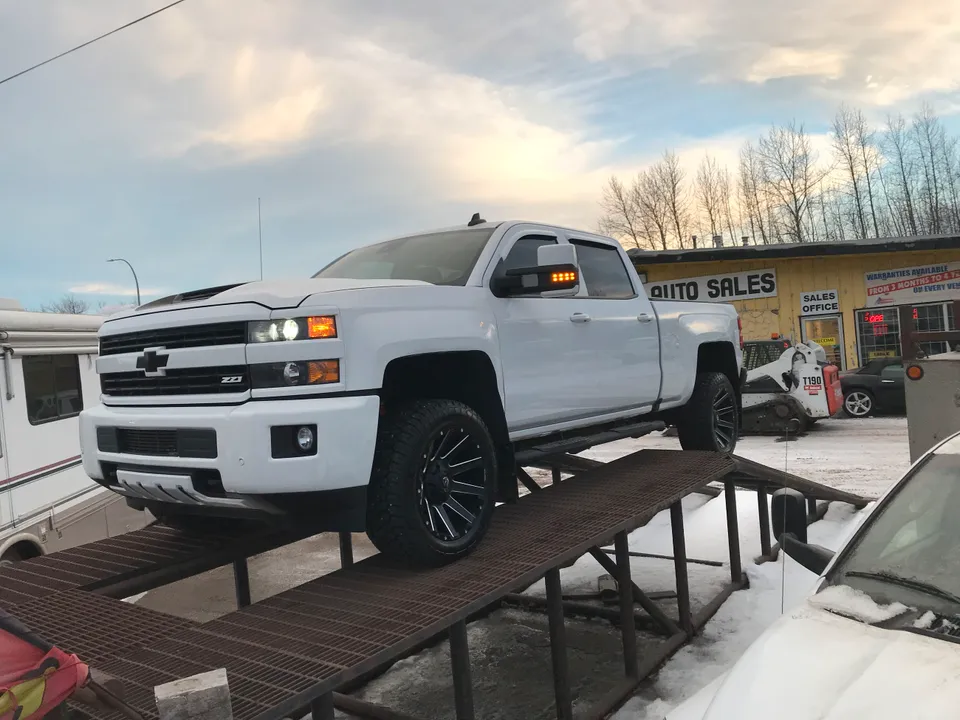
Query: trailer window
point(52, 387)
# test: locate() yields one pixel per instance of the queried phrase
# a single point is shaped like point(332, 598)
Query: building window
point(878, 333)
point(52, 387)
point(934, 318)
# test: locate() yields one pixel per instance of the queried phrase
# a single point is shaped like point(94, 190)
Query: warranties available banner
point(913, 285)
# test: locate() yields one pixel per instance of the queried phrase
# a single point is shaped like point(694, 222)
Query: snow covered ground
point(861, 456)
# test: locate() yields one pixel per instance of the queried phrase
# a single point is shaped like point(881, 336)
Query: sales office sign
point(820, 302)
point(747, 285)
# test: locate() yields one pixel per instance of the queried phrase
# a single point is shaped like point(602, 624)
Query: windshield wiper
point(918, 585)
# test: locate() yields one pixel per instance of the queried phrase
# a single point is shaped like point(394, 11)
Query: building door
point(826, 331)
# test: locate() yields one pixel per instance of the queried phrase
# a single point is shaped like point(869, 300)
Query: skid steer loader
point(790, 392)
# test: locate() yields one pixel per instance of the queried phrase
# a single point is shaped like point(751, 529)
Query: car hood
point(274, 294)
point(815, 664)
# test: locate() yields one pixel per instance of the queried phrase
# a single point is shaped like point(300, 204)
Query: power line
point(90, 42)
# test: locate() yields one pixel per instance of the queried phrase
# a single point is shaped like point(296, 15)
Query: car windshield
point(910, 551)
point(442, 258)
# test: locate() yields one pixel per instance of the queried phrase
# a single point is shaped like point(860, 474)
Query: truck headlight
point(294, 374)
point(316, 327)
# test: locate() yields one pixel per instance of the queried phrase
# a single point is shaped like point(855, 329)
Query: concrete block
point(201, 697)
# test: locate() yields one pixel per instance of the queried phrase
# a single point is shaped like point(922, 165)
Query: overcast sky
point(357, 120)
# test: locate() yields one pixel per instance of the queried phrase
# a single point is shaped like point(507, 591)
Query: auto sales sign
point(746, 285)
point(905, 286)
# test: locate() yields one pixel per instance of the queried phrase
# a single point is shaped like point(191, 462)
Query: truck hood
point(815, 664)
point(274, 294)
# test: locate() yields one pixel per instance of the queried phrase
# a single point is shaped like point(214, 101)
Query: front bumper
point(346, 438)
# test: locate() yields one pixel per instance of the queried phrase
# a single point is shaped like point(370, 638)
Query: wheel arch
point(24, 546)
point(468, 376)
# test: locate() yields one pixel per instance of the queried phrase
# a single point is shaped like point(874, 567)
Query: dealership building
point(850, 297)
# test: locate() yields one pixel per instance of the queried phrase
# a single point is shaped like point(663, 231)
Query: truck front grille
point(183, 381)
point(159, 442)
point(233, 333)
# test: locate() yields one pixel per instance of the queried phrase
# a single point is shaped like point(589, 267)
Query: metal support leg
point(462, 682)
point(555, 472)
point(811, 506)
point(558, 646)
point(322, 707)
point(346, 550)
point(764, 509)
point(652, 609)
point(680, 566)
point(733, 531)
point(628, 630)
point(241, 582)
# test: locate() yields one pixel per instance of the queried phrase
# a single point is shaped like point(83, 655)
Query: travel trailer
point(47, 376)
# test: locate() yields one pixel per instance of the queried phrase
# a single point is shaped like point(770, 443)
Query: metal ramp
point(294, 651)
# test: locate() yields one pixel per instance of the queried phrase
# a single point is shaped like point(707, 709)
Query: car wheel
point(433, 486)
point(858, 403)
point(710, 420)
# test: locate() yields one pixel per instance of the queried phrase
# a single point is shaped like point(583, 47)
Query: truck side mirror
point(788, 510)
point(788, 514)
point(555, 274)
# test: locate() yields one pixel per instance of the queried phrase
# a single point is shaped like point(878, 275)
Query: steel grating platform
point(286, 651)
point(123, 559)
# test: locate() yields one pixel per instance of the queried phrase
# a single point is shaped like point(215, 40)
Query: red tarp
point(35, 677)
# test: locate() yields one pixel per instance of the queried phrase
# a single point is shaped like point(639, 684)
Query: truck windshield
point(910, 551)
point(442, 258)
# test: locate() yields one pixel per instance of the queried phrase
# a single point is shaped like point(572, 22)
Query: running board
point(536, 453)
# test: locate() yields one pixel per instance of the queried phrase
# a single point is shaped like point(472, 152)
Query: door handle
point(645, 317)
point(887, 382)
point(579, 317)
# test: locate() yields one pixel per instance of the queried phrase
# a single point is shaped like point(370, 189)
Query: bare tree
point(670, 179)
point(897, 149)
point(654, 206)
point(793, 173)
point(710, 195)
point(621, 215)
point(69, 304)
point(848, 157)
point(751, 190)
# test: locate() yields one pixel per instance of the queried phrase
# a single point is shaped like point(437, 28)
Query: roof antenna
point(476, 220)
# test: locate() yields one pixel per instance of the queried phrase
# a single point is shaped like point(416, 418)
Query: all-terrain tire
point(394, 524)
point(713, 398)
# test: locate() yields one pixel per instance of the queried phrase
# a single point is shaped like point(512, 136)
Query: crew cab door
point(541, 359)
point(620, 342)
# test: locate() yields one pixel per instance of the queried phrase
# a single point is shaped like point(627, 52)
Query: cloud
point(96, 288)
point(871, 51)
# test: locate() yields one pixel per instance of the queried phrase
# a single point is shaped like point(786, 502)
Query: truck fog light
point(291, 373)
point(305, 438)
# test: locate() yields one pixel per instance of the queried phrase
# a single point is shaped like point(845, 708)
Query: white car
point(389, 392)
point(879, 636)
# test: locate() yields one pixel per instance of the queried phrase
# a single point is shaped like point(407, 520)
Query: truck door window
point(52, 387)
point(603, 271)
point(524, 251)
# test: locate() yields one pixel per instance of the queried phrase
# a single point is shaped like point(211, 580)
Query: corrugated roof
point(796, 250)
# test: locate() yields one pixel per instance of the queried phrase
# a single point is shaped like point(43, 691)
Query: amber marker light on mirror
point(321, 326)
point(563, 277)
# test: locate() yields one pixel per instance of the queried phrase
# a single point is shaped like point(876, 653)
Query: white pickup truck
point(389, 392)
